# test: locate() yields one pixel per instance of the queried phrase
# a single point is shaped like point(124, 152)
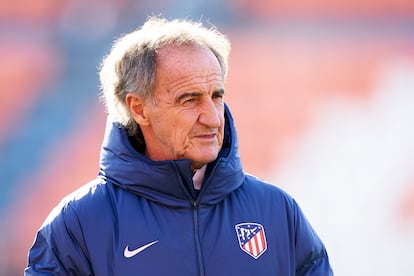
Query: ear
point(136, 106)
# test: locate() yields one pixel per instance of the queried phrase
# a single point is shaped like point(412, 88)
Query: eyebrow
point(219, 91)
point(186, 95)
point(196, 94)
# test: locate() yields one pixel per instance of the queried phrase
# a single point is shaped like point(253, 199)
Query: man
point(171, 197)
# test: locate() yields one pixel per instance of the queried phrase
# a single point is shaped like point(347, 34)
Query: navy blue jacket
point(143, 217)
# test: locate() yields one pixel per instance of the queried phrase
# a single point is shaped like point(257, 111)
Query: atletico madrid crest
point(252, 238)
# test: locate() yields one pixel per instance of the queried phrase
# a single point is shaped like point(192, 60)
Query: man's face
point(187, 118)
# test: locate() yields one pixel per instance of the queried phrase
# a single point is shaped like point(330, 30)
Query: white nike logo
point(129, 254)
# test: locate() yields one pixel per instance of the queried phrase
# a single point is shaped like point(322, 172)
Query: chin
point(199, 160)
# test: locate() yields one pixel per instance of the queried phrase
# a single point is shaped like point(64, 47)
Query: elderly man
point(171, 197)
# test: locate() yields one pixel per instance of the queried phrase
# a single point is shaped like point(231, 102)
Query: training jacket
point(143, 217)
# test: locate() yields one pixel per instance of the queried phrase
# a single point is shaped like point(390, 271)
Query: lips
point(206, 136)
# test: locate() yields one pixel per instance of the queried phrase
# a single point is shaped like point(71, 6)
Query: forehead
point(187, 67)
point(186, 58)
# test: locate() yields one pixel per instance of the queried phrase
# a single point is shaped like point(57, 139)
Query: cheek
point(221, 132)
point(179, 131)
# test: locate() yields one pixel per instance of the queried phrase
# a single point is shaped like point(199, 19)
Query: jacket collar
point(169, 182)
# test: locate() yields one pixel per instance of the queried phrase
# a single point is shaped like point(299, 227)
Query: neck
point(198, 177)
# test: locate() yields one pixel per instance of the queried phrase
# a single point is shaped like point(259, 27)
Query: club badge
point(252, 238)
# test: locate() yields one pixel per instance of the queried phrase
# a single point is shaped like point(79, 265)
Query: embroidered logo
point(131, 253)
point(252, 238)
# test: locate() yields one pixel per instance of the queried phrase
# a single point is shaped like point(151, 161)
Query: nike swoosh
point(129, 254)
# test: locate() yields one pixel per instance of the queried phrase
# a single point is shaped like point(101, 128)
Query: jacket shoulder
point(60, 245)
point(310, 252)
point(93, 194)
point(266, 190)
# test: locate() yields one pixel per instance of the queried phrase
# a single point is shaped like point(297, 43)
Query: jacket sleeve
point(59, 248)
point(311, 256)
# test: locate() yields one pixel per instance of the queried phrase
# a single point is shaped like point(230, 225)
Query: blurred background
point(322, 93)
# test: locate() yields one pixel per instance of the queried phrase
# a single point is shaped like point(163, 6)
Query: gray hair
point(130, 66)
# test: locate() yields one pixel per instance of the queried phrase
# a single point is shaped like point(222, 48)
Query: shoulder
point(94, 189)
point(61, 240)
point(262, 188)
point(93, 193)
point(85, 201)
point(259, 192)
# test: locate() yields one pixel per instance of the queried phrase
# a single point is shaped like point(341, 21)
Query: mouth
point(206, 136)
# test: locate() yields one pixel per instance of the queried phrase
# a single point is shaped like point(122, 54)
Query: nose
point(210, 114)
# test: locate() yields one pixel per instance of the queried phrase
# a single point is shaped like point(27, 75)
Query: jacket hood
point(169, 182)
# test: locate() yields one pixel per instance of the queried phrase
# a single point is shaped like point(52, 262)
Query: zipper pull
point(195, 203)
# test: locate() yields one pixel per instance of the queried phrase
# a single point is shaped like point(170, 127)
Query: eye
point(218, 95)
point(189, 100)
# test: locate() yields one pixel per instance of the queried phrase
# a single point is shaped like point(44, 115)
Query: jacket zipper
point(195, 206)
point(197, 238)
point(196, 227)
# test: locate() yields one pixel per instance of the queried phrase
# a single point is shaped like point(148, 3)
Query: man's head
point(167, 80)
